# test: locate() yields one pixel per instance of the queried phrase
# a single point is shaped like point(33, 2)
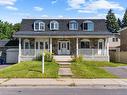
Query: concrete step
point(63, 58)
point(65, 72)
point(64, 64)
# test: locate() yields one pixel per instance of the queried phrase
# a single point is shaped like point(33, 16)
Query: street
point(62, 91)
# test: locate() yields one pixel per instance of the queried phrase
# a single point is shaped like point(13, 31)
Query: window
point(73, 25)
point(88, 26)
point(54, 25)
point(26, 44)
point(39, 26)
point(85, 44)
point(115, 39)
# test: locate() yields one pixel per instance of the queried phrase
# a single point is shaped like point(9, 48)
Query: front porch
point(89, 48)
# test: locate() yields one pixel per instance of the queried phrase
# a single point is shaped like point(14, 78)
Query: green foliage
point(30, 69)
point(111, 21)
point(124, 21)
point(119, 23)
point(77, 59)
point(7, 30)
point(48, 57)
point(17, 26)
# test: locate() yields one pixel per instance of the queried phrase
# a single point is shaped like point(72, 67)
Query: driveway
point(3, 66)
point(121, 71)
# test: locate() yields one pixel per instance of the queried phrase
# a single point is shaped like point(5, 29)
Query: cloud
point(7, 2)
point(54, 1)
point(92, 6)
point(36, 8)
point(12, 8)
point(75, 4)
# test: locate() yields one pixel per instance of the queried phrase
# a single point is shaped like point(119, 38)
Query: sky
point(14, 11)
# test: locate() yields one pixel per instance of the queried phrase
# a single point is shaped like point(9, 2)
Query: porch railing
point(93, 52)
point(31, 52)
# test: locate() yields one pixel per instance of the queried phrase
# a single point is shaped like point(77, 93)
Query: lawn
point(91, 69)
point(30, 69)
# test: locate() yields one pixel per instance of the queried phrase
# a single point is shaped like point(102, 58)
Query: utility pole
point(43, 61)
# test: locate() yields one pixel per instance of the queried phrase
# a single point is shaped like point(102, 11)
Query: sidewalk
point(63, 82)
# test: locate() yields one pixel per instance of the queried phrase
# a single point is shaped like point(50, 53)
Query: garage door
point(12, 56)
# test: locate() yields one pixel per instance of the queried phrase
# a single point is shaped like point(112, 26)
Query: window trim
point(88, 22)
point(85, 40)
point(39, 27)
point(73, 22)
point(26, 41)
point(54, 25)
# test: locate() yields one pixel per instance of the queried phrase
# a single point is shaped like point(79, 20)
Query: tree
point(17, 26)
point(119, 23)
point(124, 21)
point(111, 22)
point(7, 30)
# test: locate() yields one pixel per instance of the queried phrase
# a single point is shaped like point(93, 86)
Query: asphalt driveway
point(3, 66)
point(121, 71)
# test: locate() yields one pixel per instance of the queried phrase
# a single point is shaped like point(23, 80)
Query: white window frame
point(55, 25)
point(88, 22)
point(26, 41)
point(85, 40)
point(40, 23)
point(72, 25)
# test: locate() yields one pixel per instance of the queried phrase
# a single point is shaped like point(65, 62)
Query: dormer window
point(39, 26)
point(73, 25)
point(88, 26)
point(54, 25)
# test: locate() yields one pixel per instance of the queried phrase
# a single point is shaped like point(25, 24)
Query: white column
point(50, 45)
point(19, 56)
point(107, 40)
point(77, 53)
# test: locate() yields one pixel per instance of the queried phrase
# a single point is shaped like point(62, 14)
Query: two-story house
point(64, 37)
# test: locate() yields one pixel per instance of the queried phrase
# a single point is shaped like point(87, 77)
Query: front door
point(63, 47)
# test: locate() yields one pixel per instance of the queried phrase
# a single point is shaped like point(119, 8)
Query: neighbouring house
point(64, 38)
point(6, 46)
point(114, 42)
point(123, 37)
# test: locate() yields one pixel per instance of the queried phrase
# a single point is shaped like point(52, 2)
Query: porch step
point(63, 58)
point(65, 72)
point(64, 64)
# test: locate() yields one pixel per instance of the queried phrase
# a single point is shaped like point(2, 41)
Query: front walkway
point(121, 71)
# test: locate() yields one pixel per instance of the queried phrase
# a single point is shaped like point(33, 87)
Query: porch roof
point(59, 33)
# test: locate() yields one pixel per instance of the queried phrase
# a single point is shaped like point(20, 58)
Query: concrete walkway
point(65, 70)
point(64, 82)
point(121, 71)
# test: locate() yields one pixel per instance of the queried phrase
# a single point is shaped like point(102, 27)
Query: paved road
point(62, 91)
point(121, 71)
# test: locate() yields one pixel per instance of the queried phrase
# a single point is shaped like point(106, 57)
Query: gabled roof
point(122, 29)
point(4, 43)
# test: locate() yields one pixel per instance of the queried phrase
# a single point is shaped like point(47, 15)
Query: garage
point(12, 56)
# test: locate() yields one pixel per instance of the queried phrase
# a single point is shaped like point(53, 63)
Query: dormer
point(39, 26)
point(54, 25)
point(73, 25)
point(88, 26)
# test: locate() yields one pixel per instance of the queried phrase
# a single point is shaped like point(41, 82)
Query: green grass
point(31, 69)
point(91, 69)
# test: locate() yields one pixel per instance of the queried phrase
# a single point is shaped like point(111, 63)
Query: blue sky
point(14, 10)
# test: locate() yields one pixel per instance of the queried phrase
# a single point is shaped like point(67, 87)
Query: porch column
point(50, 45)
point(77, 53)
point(107, 41)
point(19, 56)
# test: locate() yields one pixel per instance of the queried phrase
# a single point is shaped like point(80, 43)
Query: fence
point(116, 56)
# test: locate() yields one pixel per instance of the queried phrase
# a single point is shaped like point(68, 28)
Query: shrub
point(77, 59)
point(48, 57)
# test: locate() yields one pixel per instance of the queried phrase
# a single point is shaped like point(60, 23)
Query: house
point(114, 42)
point(123, 37)
point(64, 38)
point(5, 47)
